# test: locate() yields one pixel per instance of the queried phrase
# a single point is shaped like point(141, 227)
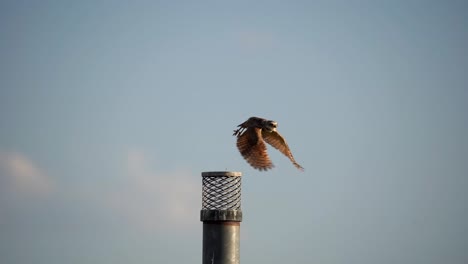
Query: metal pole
point(221, 215)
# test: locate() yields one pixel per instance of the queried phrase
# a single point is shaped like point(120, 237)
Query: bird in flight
point(251, 138)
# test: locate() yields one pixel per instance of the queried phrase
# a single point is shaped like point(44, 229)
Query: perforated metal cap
point(221, 196)
point(221, 190)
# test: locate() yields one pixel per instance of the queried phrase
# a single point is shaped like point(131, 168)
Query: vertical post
point(221, 215)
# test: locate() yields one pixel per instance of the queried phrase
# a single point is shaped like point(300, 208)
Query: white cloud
point(157, 200)
point(22, 176)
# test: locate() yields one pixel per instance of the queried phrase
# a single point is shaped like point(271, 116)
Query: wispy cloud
point(147, 198)
point(157, 200)
point(22, 176)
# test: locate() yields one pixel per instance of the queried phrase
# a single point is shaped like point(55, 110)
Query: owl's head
point(270, 125)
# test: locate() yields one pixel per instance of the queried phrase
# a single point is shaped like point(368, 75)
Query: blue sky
point(110, 110)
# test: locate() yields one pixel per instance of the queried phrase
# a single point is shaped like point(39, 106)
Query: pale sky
point(110, 111)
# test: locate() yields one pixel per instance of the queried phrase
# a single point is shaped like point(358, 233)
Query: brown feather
point(278, 142)
point(251, 137)
point(253, 149)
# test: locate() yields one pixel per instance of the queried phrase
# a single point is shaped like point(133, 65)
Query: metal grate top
point(221, 190)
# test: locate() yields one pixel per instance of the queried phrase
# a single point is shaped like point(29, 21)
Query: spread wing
point(278, 142)
point(253, 149)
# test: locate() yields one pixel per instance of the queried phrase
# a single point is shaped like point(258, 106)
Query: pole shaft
point(221, 242)
point(221, 215)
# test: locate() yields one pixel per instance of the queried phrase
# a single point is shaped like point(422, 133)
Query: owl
point(251, 138)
